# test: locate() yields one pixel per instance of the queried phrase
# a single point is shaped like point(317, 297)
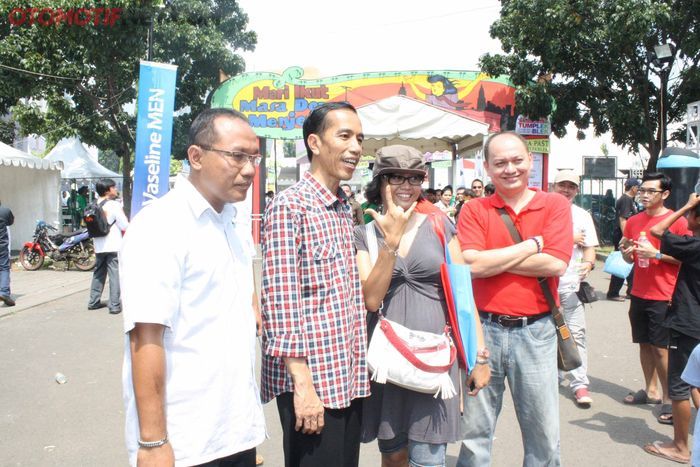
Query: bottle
point(643, 240)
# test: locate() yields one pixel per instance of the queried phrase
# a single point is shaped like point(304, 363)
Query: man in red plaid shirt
point(314, 333)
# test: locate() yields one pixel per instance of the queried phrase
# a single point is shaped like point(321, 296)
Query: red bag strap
point(400, 345)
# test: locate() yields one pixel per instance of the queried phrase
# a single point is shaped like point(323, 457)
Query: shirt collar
point(199, 205)
point(537, 202)
point(323, 193)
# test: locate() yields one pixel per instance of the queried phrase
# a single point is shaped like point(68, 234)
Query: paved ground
point(80, 423)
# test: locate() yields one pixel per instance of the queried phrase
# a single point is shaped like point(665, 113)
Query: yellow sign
point(540, 145)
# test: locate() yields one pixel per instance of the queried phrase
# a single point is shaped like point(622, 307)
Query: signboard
point(599, 167)
point(535, 180)
point(277, 105)
point(540, 145)
point(441, 164)
point(525, 126)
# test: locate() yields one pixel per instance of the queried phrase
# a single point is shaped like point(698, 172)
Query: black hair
point(316, 123)
point(478, 180)
point(373, 191)
point(202, 128)
point(487, 145)
point(449, 87)
point(489, 189)
point(470, 193)
point(664, 179)
point(83, 190)
point(103, 186)
point(448, 187)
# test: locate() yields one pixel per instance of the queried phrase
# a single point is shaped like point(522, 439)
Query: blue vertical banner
point(154, 131)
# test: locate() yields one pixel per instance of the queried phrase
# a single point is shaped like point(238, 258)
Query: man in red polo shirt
point(518, 328)
point(652, 289)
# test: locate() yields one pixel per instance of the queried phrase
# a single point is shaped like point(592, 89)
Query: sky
point(337, 37)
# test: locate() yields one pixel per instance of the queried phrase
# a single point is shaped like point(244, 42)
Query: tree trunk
point(125, 155)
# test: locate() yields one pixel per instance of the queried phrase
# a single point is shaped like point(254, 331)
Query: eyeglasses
point(238, 157)
point(415, 180)
point(649, 191)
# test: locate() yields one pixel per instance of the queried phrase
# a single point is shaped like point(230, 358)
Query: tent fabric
point(77, 163)
point(29, 187)
point(403, 120)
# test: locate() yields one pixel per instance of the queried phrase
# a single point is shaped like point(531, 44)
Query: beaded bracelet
point(537, 242)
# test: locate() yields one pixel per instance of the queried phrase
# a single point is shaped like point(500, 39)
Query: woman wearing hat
point(405, 283)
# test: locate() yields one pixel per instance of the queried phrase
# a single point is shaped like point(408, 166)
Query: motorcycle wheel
point(85, 260)
point(31, 260)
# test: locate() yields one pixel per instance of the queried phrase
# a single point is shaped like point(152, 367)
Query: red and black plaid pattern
point(312, 303)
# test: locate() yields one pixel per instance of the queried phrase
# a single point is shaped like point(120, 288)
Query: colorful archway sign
point(277, 105)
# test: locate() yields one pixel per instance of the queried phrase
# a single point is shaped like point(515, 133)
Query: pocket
point(325, 252)
point(325, 259)
point(542, 330)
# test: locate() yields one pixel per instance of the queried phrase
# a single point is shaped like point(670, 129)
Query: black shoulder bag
point(568, 357)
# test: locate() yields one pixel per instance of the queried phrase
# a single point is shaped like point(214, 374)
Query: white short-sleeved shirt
point(189, 268)
point(112, 242)
point(582, 221)
point(691, 375)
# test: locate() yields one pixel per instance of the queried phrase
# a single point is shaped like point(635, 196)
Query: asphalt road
point(80, 423)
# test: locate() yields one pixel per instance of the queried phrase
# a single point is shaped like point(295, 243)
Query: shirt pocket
point(325, 259)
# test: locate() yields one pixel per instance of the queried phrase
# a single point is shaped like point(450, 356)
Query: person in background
point(625, 207)
point(445, 202)
point(367, 204)
point(107, 249)
point(489, 189)
point(268, 197)
point(654, 280)
point(404, 285)
point(358, 217)
point(189, 379)
point(6, 220)
point(78, 204)
point(683, 321)
point(478, 188)
point(465, 197)
point(582, 262)
point(314, 328)
point(430, 196)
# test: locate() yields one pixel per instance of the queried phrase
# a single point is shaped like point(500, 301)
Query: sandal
point(639, 398)
point(655, 449)
point(665, 416)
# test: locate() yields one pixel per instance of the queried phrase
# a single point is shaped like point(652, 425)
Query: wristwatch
point(658, 255)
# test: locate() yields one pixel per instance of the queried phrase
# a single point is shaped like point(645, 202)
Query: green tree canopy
point(591, 62)
point(87, 75)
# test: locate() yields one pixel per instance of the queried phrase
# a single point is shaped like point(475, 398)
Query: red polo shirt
point(480, 227)
point(658, 280)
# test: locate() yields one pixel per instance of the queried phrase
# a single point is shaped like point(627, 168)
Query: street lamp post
point(662, 55)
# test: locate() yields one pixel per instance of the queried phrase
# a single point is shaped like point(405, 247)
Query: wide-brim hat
point(399, 159)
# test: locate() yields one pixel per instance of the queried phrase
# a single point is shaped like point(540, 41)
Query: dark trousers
point(240, 459)
point(616, 282)
point(338, 445)
point(106, 264)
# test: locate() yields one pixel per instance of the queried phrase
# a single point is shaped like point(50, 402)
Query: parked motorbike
point(75, 247)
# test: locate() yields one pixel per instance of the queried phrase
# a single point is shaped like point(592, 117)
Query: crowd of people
point(334, 268)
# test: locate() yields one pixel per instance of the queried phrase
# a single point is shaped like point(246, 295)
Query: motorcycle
point(74, 246)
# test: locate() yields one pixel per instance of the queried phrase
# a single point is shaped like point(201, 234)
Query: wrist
point(537, 244)
point(658, 255)
point(153, 444)
point(393, 251)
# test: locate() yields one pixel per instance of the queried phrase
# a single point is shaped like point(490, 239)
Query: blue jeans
point(575, 318)
point(4, 270)
point(419, 454)
point(527, 358)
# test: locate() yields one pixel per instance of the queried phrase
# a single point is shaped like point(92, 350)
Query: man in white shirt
point(107, 248)
point(187, 274)
point(582, 262)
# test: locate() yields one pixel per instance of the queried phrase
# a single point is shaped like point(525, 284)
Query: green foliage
point(7, 131)
point(592, 58)
point(93, 90)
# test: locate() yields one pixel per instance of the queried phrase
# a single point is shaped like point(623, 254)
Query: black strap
point(100, 206)
point(553, 308)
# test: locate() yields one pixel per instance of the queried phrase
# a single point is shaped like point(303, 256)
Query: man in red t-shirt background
point(652, 289)
point(518, 327)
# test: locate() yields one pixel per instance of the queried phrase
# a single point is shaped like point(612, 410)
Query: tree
point(591, 62)
point(87, 75)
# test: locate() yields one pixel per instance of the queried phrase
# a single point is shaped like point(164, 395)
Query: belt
point(508, 321)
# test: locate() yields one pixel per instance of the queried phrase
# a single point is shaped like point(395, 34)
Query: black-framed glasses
point(649, 191)
point(394, 179)
point(238, 157)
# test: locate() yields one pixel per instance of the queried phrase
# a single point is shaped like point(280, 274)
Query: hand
point(393, 222)
point(579, 237)
point(584, 269)
point(693, 200)
point(162, 456)
point(645, 250)
point(479, 378)
point(309, 411)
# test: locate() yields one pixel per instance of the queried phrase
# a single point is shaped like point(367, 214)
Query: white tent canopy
point(29, 187)
point(403, 120)
point(77, 163)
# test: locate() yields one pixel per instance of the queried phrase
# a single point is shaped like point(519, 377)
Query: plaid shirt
point(312, 304)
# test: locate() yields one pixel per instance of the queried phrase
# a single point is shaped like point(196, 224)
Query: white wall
point(31, 194)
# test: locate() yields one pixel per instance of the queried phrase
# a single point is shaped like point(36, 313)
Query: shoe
point(583, 398)
point(639, 398)
point(96, 307)
point(8, 300)
point(115, 312)
point(616, 298)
